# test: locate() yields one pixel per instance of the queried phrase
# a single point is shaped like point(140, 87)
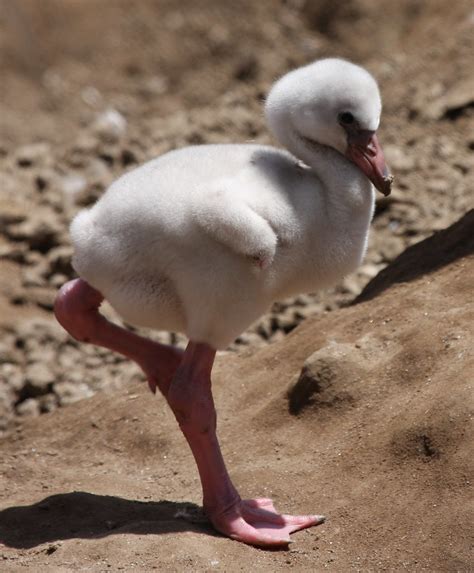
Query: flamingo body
point(175, 244)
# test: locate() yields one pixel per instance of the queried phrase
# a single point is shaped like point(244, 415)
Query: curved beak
point(363, 149)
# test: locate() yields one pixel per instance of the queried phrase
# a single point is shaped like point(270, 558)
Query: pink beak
point(364, 150)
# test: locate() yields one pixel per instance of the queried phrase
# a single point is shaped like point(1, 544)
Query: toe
point(304, 519)
point(240, 530)
point(297, 522)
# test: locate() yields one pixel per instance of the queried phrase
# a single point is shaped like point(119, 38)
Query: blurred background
point(91, 88)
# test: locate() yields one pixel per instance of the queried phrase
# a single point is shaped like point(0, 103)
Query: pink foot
point(256, 522)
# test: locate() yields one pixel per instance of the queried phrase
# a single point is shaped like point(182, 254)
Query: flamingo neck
point(345, 187)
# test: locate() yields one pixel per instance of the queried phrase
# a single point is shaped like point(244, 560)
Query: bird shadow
point(90, 516)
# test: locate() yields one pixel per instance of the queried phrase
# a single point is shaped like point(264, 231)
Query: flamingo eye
point(346, 118)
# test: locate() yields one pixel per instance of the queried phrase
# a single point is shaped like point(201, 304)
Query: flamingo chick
point(203, 239)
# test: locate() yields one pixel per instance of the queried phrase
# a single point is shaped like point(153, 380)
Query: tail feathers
point(88, 259)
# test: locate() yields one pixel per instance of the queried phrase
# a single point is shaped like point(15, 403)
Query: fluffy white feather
point(203, 239)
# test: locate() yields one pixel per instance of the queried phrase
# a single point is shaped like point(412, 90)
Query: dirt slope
point(362, 414)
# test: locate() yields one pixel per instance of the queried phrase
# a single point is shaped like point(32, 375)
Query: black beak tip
point(387, 184)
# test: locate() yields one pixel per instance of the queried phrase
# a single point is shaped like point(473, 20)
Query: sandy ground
point(360, 413)
point(363, 414)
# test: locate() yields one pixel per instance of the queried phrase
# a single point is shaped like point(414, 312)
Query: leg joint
point(76, 309)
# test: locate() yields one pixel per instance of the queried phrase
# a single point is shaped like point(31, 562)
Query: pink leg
point(184, 379)
point(77, 310)
point(252, 521)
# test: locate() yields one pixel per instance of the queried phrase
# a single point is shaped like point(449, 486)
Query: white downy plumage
point(203, 239)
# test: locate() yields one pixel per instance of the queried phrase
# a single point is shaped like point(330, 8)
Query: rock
point(33, 276)
point(351, 285)
point(91, 96)
point(29, 407)
point(69, 357)
point(302, 312)
point(8, 353)
point(70, 392)
point(38, 332)
point(42, 353)
point(98, 170)
point(110, 125)
point(369, 270)
point(277, 336)
point(93, 362)
point(85, 144)
point(453, 102)
point(41, 296)
point(33, 154)
point(128, 157)
point(246, 69)
point(14, 252)
point(48, 403)
point(264, 327)
point(42, 181)
point(314, 386)
point(59, 260)
point(53, 199)
point(398, 159)
point(54, 83)
point(390, 249)
point(303, 300)
point(10, 214)
point(249, 339)
point(39, 379)
point(7, 401)
point(58, 280)
point(437, 185)
point(12, 375)
point(284, 321)
point(153, 87)
point(465, 162)
point(33, 258)
point(41, 233)
point(445, 148)
point(74, 186)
